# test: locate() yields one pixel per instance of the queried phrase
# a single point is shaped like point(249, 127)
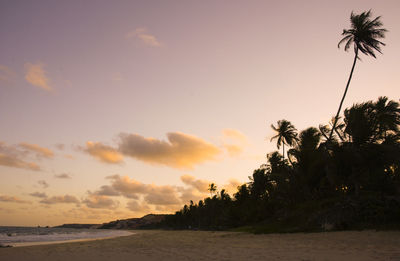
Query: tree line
point(350, 180)
point(336, 176)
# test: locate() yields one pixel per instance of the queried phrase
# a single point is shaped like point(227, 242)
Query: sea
point(26, 236)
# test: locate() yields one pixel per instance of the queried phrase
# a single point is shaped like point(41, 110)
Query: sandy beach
point(202, 245)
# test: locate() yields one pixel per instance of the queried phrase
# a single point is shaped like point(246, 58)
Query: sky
point(116, 109)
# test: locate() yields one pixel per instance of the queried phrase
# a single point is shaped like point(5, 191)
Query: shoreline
point(39, 243)
point(149, 245)
point(32, 240)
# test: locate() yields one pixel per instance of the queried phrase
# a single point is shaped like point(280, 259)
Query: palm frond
point(364, 34)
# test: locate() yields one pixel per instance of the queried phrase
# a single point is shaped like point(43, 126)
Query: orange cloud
point(182, 151)
point(152, 194)
point(60, 199)
point(40, 151)
point(136, 206)
point(127, 187)
point(190, 194)
point(198, 189)
point(144, 36)
point(13, 161)
point(162, 195)
point(200, 185)
point(107, 191)
point(103, 152)
point(36, 75)
point(5, 198)
point(154, 198)
point(99, 201)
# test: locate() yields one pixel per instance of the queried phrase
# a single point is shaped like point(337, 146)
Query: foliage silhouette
point(286, 134)
point(363, 35)
point(350, 182)
point(212, 188)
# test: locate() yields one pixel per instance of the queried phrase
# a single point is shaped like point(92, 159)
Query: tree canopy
point(352, 182)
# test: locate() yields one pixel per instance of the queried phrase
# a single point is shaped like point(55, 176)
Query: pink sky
point(112, 110)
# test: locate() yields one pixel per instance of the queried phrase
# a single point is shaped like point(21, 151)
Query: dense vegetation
point(345, 175)
point(351, 180)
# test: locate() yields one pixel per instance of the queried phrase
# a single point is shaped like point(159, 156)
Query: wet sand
point(203, 245)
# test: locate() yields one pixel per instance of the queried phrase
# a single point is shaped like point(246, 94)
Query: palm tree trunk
point(344, 95)
point(283, 152)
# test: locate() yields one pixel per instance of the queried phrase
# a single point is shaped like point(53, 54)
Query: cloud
point(144, 36)
point(162, 195)
point(182, 151)
point(188, 194)
point(99, 201)
point(233, 141)
point(19, 156)
point(127, 187)
point(133, 189)
point(36, 75)
point(107, 191)
point(103, 152)
point(40, 151)
point(200, 185)
point(43, 183)
point(6, 75)
point(62, 176)
point(147, 198)
point(136, 206)
point(13, 161)
point(198, 189)
point(154, 195)
point(38, 195)
point(5, 198)
point(60, 199)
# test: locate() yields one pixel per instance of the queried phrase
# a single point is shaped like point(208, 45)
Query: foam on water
point(23, 236)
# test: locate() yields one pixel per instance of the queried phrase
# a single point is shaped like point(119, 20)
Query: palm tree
point(360, 121)
point(212, 188)
point(387, 117)
point(363, 36)
point(286, 134)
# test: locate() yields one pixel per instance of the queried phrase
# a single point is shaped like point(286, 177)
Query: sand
point(202, 245)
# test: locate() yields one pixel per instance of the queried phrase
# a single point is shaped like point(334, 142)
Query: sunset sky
point(117, 109)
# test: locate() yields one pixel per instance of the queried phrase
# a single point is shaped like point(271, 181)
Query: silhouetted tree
point(363, 35)
point(212, 188)
point(387, 118)
point(286, 134)
point(354, 180)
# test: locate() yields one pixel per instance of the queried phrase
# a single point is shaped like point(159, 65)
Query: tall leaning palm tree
point(363, 35)
point(286, 134)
